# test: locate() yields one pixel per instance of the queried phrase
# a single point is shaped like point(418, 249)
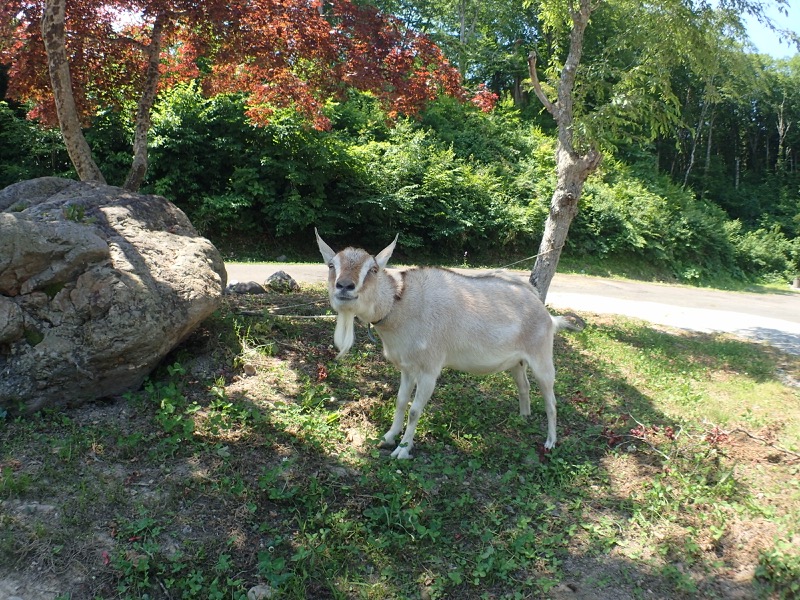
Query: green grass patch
point(250, 458)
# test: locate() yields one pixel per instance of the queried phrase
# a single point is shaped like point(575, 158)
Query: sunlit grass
point(214, 478)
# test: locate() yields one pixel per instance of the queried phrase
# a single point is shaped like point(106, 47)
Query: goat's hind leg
point(545, 375)
point(520, 374)
point(403, 398)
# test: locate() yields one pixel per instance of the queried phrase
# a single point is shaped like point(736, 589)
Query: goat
point(430, 318)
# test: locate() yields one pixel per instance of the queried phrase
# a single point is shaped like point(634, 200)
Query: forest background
point(710, 195)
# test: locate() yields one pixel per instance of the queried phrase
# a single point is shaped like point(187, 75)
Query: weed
point(13, 484)
point(779, 570)
point(77, 214)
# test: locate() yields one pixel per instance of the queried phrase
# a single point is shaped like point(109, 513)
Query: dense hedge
point(28, 151)
point(456, 183)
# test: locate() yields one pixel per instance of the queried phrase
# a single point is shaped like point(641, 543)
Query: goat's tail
point(569, 321)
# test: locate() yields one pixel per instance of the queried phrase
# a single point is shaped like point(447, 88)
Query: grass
point(250, 459)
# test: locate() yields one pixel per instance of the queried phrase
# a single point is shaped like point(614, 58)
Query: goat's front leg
point(403, 398)
point(425, 384)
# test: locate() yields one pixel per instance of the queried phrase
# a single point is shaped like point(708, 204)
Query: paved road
point(773, 318)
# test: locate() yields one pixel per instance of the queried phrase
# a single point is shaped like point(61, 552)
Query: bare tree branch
point(537, 87)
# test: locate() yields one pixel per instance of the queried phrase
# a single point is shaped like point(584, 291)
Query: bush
point(765, 251)
point(28, 150)
point(232, 178)
point(111, 140)
point(644, 218)
point(455, 181)
point(415, 184)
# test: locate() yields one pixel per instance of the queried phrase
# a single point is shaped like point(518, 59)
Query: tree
point(599, 106)
point(573, 163)
point(487, 41)
point(119, 53)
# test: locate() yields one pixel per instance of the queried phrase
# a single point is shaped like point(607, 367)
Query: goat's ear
point(385, 254)
point(327, 252)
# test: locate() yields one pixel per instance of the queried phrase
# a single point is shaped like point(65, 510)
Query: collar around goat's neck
point(371, 324)
point(397, 292)
point(381, 320)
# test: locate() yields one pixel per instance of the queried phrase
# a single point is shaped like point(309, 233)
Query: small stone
point(281, 281)
point(259, 592)
point(245, 287)
point(249, 369)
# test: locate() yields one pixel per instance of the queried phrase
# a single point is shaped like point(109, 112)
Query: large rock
point(97, 285)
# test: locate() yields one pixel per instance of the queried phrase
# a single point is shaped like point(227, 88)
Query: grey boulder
point(97, 285)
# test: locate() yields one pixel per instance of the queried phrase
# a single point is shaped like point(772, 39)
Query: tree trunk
point(783, 130)
point(54, 35)
point(696, 135)
point(572, 173)
point(138, 168)
point(707, 166)
point(572, 167)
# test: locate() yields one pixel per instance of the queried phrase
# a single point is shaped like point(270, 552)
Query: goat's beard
point(345, 332)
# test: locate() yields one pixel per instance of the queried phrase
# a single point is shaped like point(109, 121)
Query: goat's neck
point(387, 289)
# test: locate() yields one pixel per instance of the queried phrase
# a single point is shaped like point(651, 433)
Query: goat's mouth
point(342, 297)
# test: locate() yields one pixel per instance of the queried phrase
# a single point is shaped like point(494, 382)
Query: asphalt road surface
point(773, 318)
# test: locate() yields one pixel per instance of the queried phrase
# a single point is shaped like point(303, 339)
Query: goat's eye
point(330, 266)
point(373, 270)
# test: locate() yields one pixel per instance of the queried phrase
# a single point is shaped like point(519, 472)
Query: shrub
point(765, 251)
point(231, 177)
point(28, 150)
point(415, 184)
point(635, 216)
point(455, 181)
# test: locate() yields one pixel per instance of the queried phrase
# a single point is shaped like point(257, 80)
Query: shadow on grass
point(277, 479)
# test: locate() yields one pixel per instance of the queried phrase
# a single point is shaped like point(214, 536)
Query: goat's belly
point(481, 364)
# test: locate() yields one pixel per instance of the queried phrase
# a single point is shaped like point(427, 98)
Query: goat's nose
point(346, 285)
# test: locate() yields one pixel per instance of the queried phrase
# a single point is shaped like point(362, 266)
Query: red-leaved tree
point(70, 58)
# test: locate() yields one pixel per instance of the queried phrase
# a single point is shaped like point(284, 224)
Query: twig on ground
point(765, 442)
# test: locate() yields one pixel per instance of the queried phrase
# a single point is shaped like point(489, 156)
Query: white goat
point(432, 318)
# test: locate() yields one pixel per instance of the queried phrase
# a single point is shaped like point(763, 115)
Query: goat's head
point(353, 287)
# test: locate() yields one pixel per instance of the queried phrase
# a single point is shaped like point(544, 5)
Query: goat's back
point(474, 323)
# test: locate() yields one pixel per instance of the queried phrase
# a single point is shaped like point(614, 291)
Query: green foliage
point(779, 569)
point(111, 139)
point(645, 217)
point(459, 185)
point(174, 414)
point(28, 150)
point(233, 178)
point(766, 251)
point(419, 186)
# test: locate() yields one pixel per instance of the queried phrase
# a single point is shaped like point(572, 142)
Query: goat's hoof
point(386, 444)
point(549, 444)
point(401, 453)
